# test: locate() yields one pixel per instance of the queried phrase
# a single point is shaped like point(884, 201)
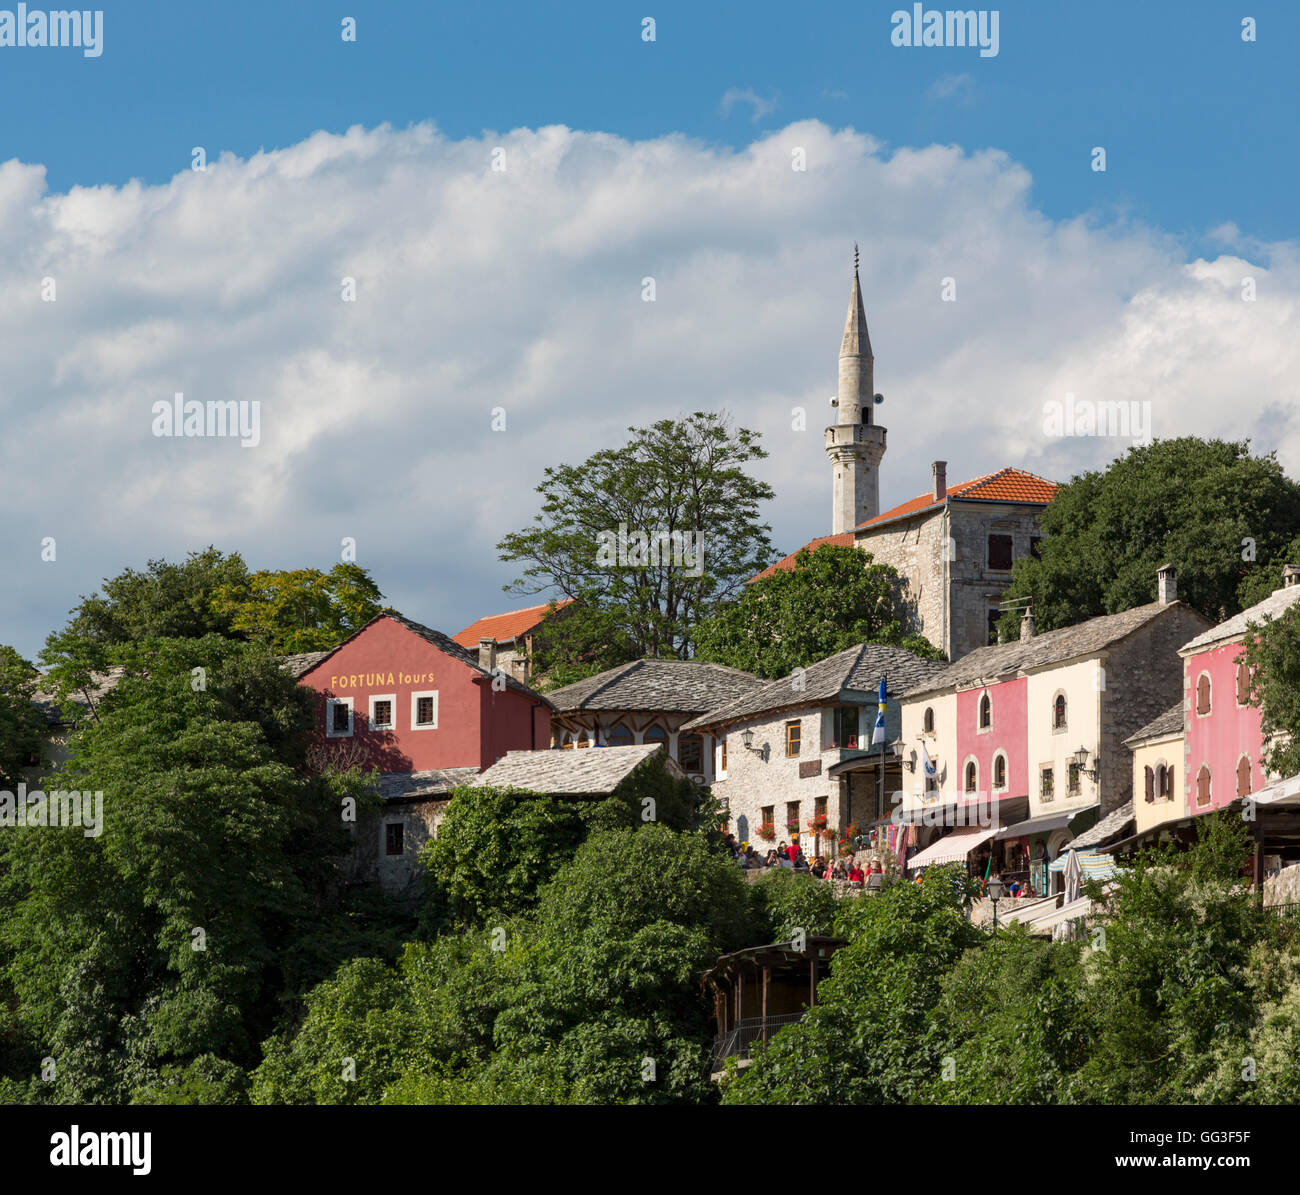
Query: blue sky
point(523, 289)
point(1200, 128)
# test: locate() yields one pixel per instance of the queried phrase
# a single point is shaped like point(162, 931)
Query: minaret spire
point(855, 444)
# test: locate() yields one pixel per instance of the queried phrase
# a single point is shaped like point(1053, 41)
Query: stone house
point(649, 701)
point(1035, 729)
point(414, 805)
point(507, 639)
point(954, 545)
point(794, 756)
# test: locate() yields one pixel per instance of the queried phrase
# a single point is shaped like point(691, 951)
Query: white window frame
point(330, 703)
point(391, 698)
point(415, 710)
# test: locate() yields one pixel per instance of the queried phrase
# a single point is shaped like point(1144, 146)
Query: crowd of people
point(847, 868)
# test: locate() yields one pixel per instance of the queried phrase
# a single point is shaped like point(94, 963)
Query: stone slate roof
point(432, 782)
point(1051, 647)
point(101, 683)
point(1271, 607)
point(1114, 825)
point(859, 668)
point(303, 662)
point(677, 686)
point(589, 772)
point(443, 643)
point(1170, 722)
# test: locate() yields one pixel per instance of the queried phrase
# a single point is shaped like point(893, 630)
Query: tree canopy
point(833, 598)
point(649, 537)
point(1226, 519)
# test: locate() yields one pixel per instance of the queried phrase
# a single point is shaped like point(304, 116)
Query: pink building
point(993, 739)
point(402, 697)
point(1224, 745)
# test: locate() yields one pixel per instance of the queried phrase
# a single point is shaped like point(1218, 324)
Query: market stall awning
point(1093, 866)
point(1045, 823)
point(953, 847)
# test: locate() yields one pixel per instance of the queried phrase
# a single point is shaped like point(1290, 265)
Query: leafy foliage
point(1272, 653)
point(22, 726)
point(833, 598)
point(1226, 519)
point(682, 476)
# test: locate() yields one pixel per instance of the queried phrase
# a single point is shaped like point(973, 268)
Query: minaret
point(855, 444)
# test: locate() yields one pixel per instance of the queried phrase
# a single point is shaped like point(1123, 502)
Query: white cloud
point(747, 95)
point(522, 289)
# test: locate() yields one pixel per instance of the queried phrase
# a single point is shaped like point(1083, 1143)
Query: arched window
point(927, 720)
point(656, 734)
point(1150, 784)
point(1203, 786)
point(972, 777)
point(1164, 782)
point(583, 740)
point(986, 711)
point(566, 743)
point(1058, 712)
point(1243, 684)
point(1243, 776)
point(620, 736)
point(1203, 693)
point(999, 771)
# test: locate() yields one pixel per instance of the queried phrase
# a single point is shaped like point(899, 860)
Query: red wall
point(1009, 734)
point(475, 725)
point(1225, 734)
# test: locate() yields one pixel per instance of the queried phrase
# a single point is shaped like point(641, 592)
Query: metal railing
point(739, 1040)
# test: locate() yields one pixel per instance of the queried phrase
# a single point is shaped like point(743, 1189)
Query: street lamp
point(747, 738)
point(906, 760)
point(995, 891)
point(1081, 758)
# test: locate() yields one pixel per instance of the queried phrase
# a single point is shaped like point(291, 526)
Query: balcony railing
point(740, 1039)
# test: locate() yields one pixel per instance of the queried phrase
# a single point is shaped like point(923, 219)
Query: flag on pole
point(927, 763)
point(878, 735)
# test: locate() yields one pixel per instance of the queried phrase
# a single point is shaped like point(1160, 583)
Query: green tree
point(677, 477)
point(301, 609)
point(833, 598)
point(865, 1042)
point(1226, 519)
point(1272, 653)
point(206, 898)
point(23, 727)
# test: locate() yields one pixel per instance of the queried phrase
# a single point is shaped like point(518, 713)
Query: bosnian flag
point(878, 734)
point(926, 762)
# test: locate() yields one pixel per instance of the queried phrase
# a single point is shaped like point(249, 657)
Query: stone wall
point(395, 874)
point(915, 547)
point(1143, 678)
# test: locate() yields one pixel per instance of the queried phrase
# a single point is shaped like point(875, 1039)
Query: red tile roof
point(843, 540)
point(504, 627)
point(1006, 485)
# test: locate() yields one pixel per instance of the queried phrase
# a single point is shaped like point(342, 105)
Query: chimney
point(1290, 575)
point(1027, 623)
point(487, 654)
point(939, 471)
point(1167, 584)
